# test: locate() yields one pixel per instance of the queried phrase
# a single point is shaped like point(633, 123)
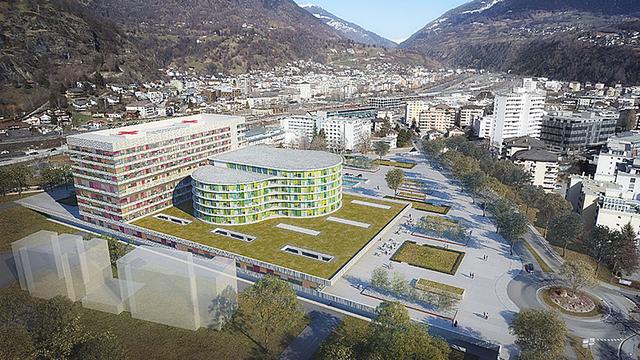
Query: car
point(529, 268)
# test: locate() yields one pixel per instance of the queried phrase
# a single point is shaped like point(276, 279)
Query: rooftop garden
point(342, 241)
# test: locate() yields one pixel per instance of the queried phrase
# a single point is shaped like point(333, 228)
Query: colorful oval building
point(259, 182)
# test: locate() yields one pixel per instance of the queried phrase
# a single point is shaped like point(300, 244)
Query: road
point(614, 332)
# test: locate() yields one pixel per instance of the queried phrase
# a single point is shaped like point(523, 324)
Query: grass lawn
point(18, 222)
point(14, 197)
point(543, 265)
point(430, 285)
point(398, 164)
point(339, 240)
point(423, 206)
point(429, 257)
point(147, 340)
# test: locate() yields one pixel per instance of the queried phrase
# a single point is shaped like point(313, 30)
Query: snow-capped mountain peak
point(348, 29)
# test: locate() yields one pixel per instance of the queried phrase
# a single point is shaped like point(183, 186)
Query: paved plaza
point(485, 292)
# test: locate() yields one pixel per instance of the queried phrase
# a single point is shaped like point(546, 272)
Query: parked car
point(529, 268)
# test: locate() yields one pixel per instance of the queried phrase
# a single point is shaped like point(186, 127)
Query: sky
point(394, 19)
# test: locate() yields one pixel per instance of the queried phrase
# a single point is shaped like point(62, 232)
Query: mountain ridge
point(584, 40)
point(349, 29)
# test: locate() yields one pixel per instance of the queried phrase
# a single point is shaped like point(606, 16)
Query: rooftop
point(535, 155)
point(281, 159)
point(224, 176)
point(127, 136)
point(342, 241)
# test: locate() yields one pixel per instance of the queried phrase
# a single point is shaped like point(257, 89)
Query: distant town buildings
point(346, 134)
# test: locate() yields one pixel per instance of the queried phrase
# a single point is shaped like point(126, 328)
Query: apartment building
point(570, 132)
point(258, 182)
point(413, 110)
point(468, 114)
point(301, 127)
point(518, 113)
point(440, 117)
point(619, 148)
point(125, 173)
point(541, 164)
point(346, 134)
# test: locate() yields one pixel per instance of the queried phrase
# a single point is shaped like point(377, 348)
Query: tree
point(531, 196)
point(16, 343)
point(269, 306)
point(578, 274)
point(381, 148)
point(98, 347)
point(474, 182)
point(513, 226)
point(380, 278)
point(117, 249)
point(394, 178)
point(395, 336)
point(54, 326)
point(628, 119)
point(552, 205)
point(623, 251)
point(541, 334)
point(6, 184)
point(19, 176)
point(363, 145)
point(565, 229)
point(432, 148)
point(319, 141)
point(597, 244)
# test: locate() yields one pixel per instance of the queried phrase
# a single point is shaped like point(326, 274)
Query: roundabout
point(573, 303)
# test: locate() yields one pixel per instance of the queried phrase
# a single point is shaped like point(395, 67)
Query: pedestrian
point(486, 316)
point(455, 323)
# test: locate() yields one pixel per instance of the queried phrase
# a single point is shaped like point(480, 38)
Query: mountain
point(348, 29)
point(584, 40)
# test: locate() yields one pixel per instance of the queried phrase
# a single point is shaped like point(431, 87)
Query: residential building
point(584, 194)
point(302, 127)
point(518, 113)
point(257, 183)
point(615, 211)
point(387, 102)
point(482, 126)
point(468, 114)
point(144, 109)
point(513, 145)
point(346, 134)
point(124, 173)
point(440, 117)
point(619, 148)
point(541, 164)
point(413, 110)
point(570, 132)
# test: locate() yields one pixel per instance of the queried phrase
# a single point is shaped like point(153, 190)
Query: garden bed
point(398, 164)
point(581, 305)
point(424, 206)
point(439, 288)
point(429, 257)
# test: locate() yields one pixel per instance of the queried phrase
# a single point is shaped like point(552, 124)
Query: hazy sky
point(394, 19)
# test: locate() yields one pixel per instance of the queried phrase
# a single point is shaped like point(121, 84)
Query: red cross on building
point(132, 132)
point(189, 121)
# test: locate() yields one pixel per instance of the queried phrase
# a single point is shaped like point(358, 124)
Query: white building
point(518, 113)
point(144, 109)
point(413, 110)
point(618, 149)
point(482, 126)
point(305, 91)
point(301, 126)
point(346, 133)
point(469, 113)
point(541, 164)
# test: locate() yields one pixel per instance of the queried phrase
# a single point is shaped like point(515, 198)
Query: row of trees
point(402, 289)
point(16, 178)
point(392, 335)
point(50, 329)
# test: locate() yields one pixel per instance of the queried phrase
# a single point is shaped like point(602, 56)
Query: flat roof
point(210, 174)
point(127, 136)
point(281, 159)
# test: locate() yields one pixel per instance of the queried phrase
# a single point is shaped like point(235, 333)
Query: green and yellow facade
point(258, 183)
